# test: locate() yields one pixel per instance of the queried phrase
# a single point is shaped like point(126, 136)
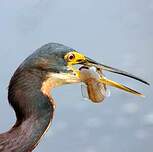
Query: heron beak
point(83, 60)
point(119, 86)
point(90, 62)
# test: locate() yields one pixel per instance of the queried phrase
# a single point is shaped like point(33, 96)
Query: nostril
point(79, 60)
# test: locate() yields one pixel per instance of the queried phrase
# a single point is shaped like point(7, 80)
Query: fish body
point(95, 89)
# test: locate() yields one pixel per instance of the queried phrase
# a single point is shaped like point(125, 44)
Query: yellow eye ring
point(70, 57)
point(74, 58)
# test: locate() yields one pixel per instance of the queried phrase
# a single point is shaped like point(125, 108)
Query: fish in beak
point(93, 89)
point(100, 67)
point(74, 58)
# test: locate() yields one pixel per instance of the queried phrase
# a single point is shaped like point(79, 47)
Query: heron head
point(58, 61)
point(73, 58)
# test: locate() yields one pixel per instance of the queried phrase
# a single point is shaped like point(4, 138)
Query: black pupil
point(71, 57)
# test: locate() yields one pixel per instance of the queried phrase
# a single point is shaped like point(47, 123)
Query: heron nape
point(49, 66)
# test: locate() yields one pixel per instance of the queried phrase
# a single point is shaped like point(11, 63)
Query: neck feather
point(33, 109)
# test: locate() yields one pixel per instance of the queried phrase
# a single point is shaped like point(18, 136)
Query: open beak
point(77, 58)
point(90, 62)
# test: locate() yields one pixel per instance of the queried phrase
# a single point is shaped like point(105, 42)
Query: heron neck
point(33, 109)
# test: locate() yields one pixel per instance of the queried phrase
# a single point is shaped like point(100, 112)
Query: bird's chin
point(69, 76)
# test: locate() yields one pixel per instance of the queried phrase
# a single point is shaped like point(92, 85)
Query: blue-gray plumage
point(33, 109)
point(28, 93)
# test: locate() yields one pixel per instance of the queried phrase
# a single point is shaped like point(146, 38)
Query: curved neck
point(33, 109)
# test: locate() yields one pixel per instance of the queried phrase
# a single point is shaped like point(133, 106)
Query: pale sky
point(117, 33)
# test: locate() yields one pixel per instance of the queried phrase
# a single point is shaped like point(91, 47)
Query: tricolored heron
point(29, 92)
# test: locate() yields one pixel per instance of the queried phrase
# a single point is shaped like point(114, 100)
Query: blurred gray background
point(117, 33)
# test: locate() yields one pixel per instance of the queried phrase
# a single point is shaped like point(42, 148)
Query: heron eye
point(71, 57)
